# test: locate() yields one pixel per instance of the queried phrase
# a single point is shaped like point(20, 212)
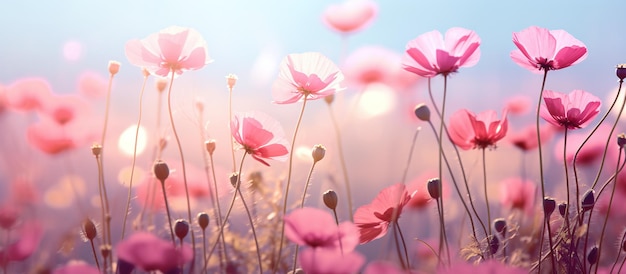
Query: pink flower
point(330, 261)
point(51, 137)
point(372, 64)
point(591, 152)
point(76, 268)
point(526, 139)
point(386, 267)
point(260, 136)
point(373, 219)
point(27, 94)
point(572, 111)
point(316, 228)
point(350, 15)
point(468, 130)
point(92, 85)
point(308, 74)
point(9, 214)
point(30, 234)
point(518, 194)
point(518, 105)
point(489, 266)
point(148, 252)
point(543, 49)
point(171, 50)
point(429, 54)
point(65, 108)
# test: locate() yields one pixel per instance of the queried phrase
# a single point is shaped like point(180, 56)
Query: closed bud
point(494, 244)
point(422, 112)
point(234, 178)
point(549, 204)
point(434, 188)
point(329, 99)
point(563, 209)
point(621, 140)
point(231, 80)
point(330, 199)
point(161, 170)
point(620, 71)
point(181, 228)
point(114, 67)
point(500, 226)
point(210, 146)
point(588, 200)
point(96, 150)
point(318, 153)
point(145, 72)
point(203, 220)
point(592, 255)
point(161, 84)
point(89, 229)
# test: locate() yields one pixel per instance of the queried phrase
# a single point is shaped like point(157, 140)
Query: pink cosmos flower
point(518, 105)
point(526, 139)
point(9, 214)
point(372, 64)
point(468, 130)
point(543, 49)
point(373, 219)
point(65, 108)
point(429, 54)
point(591, 152)
point(572, 111)
point(30, 234)
point(150, 253)
point(386, 267)
point(316, 228)
point(308, 74)
point(489, 266)
point(27, 94)
point(330, 261)
point(260, 136)
point(171, 50)
point(350, 16)
point(518, 194)
point(51, 137)
point(92, 85)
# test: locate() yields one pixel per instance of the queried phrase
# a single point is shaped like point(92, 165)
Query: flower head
point(311, 75)
point(469, 130)
point(171, 50)
point(148, 252)
point(526, 138)
point(316, 228)
point(572, 111)
point(518, 194)
point(350, 16)
point(330, 261)
point(543, 49)
point(377, 65)
point(373, 219)
point(429, 54)
point(27, 94)
point(260, 136)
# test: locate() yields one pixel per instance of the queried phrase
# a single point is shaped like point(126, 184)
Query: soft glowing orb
point(62, 194)
point(72, 50)
point(377, 99)
point(126, 142)
point(123, 176)
point(304, 153)
point(264, 66)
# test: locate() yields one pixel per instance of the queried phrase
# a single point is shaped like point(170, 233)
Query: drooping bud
point(434, 188)
point(422, 112)
point(161, 170)
point(96, 150)
point(563, 209)
point(203, 220)
point(329, 99)
point(231, 80)
point(89, 229)
point(500, 226)
point(620, 71)
point(588, 200)
point(592, 255)
point(330, 199)
point(494, 244)
point(210, 146)
point(621, 140)
point(181, 228)
point(549, 204)
point(114, 67)
point(234, 178)
point(318, 153)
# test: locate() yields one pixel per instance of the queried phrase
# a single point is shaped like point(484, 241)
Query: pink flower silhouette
point(489, 266)
point(591, 152)
point(260, 136)
point(65, 108)
point(373, 219)
point(308, 74)
point(571, 111)
point(526, 139)
point(76, 268)
point(429, 54)
point(330, 261)
point(30, 234)
point(171, 50)
point(150, 253)
point(350, 15)
point(373, 64)
point(518, 194)
point(316, 228)
point(27, 94)
point(468, 130)
point(92, 85)
point(543, 49)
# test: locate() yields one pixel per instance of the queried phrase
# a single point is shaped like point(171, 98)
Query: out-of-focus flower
point(92, 85)
point(489, 266)
point(171, 50)
point(373, 219)
point(65, 108)
point(593, 149)
point(373, 64)
point(260, 136)
point(330, 261)
point(316, 228)
point(311, 75)
point(519, 194)
point(526, 139)
point(421, 198)
point(572, 111)
point(386, 267)
point(76, 267)
point(543, 49)
point(468, 130)
point(9, 214)
point(350, 16)
point(150, 253)
point(30, 234)
point(518, 105)
point(27, 94)
point(429, 54)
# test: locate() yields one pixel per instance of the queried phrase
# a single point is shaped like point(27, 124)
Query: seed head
point(114, 67)
point(181, 228)
point(422, 112)
point(203, 220)
point(434, 188)
point(210, 146)
point(161, 170)
point(318, 153)
point(330, 199)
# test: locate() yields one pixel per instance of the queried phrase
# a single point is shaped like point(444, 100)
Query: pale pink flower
point(429, 54)
point(260, 136)
point(350, 16)
point(519, 194)
point(316, 228)
point(518, 105)
point(308, 74)
point(330, 261)
point(543, 49)
point(374, 219)
point(373, 64)
point(571, 111)
point(526, 139)
point(27, 94)
point(171, 50)
point(468, 130)
point(150, 253)
point(52, 137)
point(65, 108)
point(92, 85)
point(591, 152)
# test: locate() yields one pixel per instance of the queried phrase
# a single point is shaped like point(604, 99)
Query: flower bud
point(114, 67)
point(318, 153)
point(500, 226)
point(588, 200)
point(549, 204)
point(203, 220)
point(494, 244)
point(592, 255)
point(231, 80)
point(329, 99)
point(330, 199)
point(161, 170)
point(234, 178)
point(434, 188)
point(181, 228)
point(96, 150)
point(621, 140)
point(563, 209)
point(145, 72)
point(161, 84)
point(89, 229)
point(210, 146)
point(620, 71)
point(422, 112)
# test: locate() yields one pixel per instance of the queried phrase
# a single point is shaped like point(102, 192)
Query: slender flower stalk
point(342, 160)
point(162, 172)
point(231, 79)
point(619, 251)
point(210, 148)
point(256, 240)
point(408, 161)
point(540, 150)
point(486, 193)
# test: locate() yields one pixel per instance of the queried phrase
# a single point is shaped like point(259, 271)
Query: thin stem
point(230, 118)
point(542, 180)
point(621, 265)
point(408, 162)
point(394, 224)
point(342, 160)
point(336, 218)
point(406, 252)
point(306, 187)
point(566, 170)
point(204, 248)
point(554, 265)
point(219, 211)
point(167, 209)
point(443, 237)
point(543, 228)
point(619, 250)
point(132, 169)
point(95, 255)
point(256, 241)
point(485, 190)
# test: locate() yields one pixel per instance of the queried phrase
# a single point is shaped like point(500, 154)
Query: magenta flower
point(571, 111)
point(148, 252)
point(350, 16)
point(429, 54)
point(330, 261)
point(77, 268)
point(316, 228)
point(27, 94)
point(260, 136)
point(543, 49)
point(518, 194)
point(591, 152)
point(468, 130)
point(526, 139)
point(373, 219)
point(311, 75)
point(171, 50)
point(30, 234)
